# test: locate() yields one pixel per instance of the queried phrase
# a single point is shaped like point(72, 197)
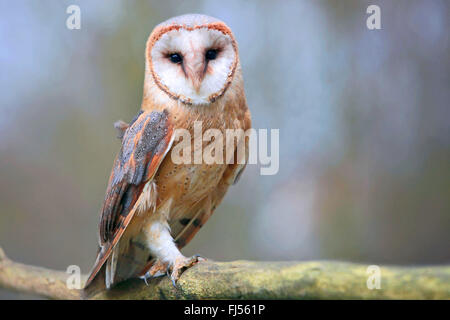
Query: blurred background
point(364, 123)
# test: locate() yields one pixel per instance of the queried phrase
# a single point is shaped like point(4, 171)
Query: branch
point(247, 280)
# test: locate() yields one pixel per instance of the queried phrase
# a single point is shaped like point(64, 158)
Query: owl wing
point(145, 143)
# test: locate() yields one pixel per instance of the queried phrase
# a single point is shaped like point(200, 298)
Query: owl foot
point(156, 270)
point(180, 265)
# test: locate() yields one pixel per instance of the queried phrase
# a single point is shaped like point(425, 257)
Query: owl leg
point(163, 247)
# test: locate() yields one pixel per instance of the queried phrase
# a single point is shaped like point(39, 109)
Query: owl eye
point(175, 57)
point(211, 54)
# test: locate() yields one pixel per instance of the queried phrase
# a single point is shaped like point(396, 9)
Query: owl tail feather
point(111, 264)
point(105, 277)
point(133, 259)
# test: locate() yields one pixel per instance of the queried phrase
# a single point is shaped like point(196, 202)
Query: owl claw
point(156, 270)
point(170, 276)
point(182, 264)
point(173, 270)
point(200, 257)
point(145, 277)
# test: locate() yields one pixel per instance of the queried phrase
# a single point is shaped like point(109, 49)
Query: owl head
point(191, 58)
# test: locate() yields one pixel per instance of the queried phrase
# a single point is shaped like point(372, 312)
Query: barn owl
point(153, 207)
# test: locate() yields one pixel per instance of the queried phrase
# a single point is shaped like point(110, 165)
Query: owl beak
point(197, 82)
point(196, 73)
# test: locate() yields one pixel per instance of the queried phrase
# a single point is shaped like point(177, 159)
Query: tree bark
point(247, 280)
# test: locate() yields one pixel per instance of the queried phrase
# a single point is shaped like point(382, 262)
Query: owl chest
point(187, 183)
point(198, 159)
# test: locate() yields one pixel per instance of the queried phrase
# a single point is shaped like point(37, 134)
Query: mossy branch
point(247, 280)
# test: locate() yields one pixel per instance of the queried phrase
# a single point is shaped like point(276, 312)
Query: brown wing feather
point(144, 145)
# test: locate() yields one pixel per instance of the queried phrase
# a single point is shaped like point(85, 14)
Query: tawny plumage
point(153, 205)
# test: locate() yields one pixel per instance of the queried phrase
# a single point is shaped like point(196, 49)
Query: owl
point(153, 205)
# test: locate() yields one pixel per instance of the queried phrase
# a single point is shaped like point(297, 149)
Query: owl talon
point(200, 257)
point(156, 270)
point(145, 277)
point(181, 265)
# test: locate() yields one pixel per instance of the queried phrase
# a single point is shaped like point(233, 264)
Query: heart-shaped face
point(192, 58)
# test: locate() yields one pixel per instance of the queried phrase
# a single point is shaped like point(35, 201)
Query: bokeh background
point(364, 123)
